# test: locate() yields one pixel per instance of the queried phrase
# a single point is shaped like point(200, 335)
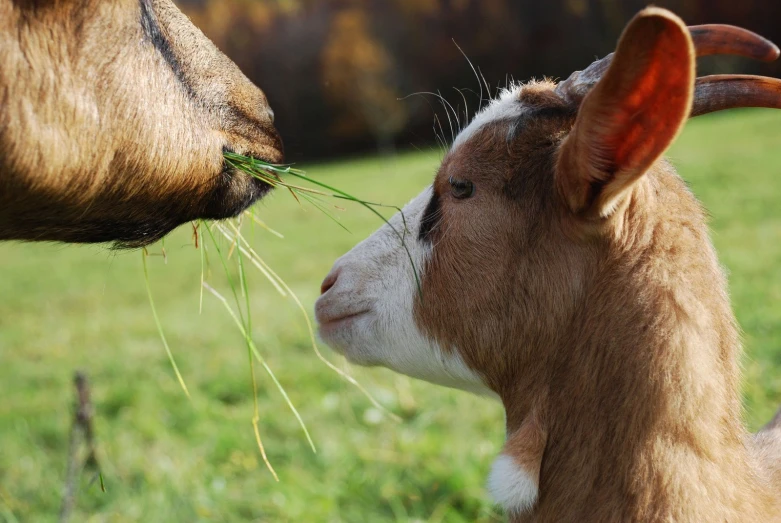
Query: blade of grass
point(160, 327)
point(203, 267)
point(262, 361)
point(322, 201)
point(162, 251)
point(370, 206)
point(320, 208)
point(263, 269)
point(252, 344)
point(248, 339)
point(263, 224)
point(260, 164)
point(269, 173)
point(311, 331)
point(260, 169)
point(256, 412)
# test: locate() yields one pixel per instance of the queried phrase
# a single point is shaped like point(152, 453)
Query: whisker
point(441, 232)
point(440, 137)
point(447, 113)
point(445, 104)
point(466, 108)
point(455, 115)
point(480, 103)
point(470, 90)
point(441, 141)
point(487, 87)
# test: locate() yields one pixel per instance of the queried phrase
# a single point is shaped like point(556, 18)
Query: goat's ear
point(631, 116)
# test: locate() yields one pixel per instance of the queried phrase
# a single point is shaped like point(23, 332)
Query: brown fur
point(113, 118)
point(527, 445)
point(614, 328)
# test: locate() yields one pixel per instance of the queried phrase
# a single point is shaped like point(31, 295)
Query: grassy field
point(166, 458)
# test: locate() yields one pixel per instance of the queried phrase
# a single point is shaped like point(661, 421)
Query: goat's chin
point(234, 192)
point(344, 337)
point(357, 356)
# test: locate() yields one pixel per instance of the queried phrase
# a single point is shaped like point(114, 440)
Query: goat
point(114, 115)
point(566, 269)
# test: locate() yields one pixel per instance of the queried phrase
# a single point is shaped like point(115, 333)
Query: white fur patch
point(376, 276)
point(511, 486)
point(505, 107)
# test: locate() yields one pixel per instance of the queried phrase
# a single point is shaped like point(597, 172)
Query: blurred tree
point(333, 69)
point(359, 80)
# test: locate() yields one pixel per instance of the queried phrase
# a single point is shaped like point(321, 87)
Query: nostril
point(329, 281)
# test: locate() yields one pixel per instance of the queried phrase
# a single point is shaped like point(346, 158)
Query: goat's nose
point(329, 281)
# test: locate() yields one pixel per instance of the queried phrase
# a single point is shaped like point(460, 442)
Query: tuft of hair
point(511, 486)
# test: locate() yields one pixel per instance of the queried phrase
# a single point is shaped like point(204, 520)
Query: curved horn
point(579, 83)
point(712, 93)
point(729, 91)
point(713, 39)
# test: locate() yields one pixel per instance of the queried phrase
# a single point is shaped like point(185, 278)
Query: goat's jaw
point(367, 313)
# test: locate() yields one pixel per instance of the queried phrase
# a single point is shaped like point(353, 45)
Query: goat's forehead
point(507, 106)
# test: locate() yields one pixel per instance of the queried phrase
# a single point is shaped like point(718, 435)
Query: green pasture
point(169, 459)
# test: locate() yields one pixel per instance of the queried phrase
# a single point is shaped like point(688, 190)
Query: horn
point(579, 83)
point(711, 93)
point(727, 39)
point(729, 91)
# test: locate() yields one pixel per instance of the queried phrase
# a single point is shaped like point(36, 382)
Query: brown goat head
point(566, 269)
point(114, 115)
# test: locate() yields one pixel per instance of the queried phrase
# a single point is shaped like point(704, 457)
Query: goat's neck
point(640, 415)
point(646, 445)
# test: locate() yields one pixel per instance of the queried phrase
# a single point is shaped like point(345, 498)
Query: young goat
point(566, 269)
point(114, 115)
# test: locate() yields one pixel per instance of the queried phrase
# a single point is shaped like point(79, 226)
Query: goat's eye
point(461, 189)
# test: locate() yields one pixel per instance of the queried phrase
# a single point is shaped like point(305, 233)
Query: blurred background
point(337, 74)
point(334, 70)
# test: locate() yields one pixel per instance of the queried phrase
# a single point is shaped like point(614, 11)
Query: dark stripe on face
point(160, 42)
point(430, 219)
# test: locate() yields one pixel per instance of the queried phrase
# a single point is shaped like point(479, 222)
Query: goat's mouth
point(334, 328)
point(236, 190)
point(340, 319)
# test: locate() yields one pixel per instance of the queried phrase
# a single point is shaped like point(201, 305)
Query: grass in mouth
point(302, 188)
point(272, 175)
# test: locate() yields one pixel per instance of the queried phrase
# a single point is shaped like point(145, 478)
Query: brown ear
point(631, 116)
